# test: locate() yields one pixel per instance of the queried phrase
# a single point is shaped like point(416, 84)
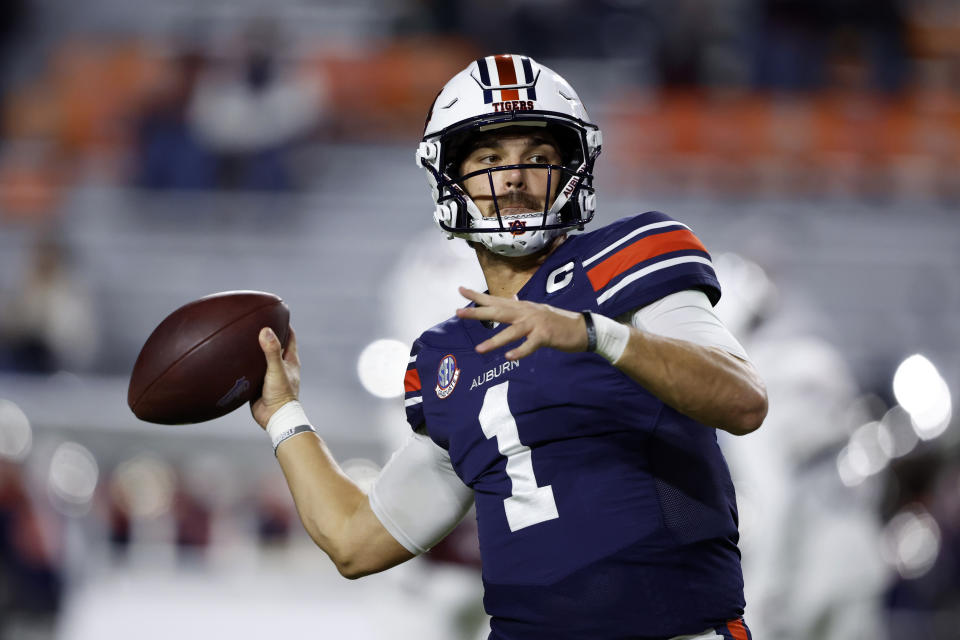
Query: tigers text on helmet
point(506, 91)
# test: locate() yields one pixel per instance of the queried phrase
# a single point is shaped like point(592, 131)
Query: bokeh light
point(73, 478)
point(865, 454)
point(381, 365)
point(145, 485)
point(911, 542)
point(923, 393)
point(16, 435)
point(898, 435)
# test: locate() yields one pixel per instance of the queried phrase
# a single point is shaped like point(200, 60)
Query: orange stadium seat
point(98, 87)
point(387, 91)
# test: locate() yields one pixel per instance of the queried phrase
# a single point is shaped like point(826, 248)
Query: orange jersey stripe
point(411, 381)
point(508, 75)
point(737, 630)
point(644, 249)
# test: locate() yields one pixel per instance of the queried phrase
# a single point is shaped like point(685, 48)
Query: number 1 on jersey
point(528, 504)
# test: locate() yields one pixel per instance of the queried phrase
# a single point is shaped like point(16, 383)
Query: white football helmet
point(501, 91)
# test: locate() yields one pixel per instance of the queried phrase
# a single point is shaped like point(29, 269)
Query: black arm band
point(591, 331)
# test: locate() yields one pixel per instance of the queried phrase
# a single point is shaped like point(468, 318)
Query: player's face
point(517, 190)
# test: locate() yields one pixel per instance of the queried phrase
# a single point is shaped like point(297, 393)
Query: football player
point(575, 402)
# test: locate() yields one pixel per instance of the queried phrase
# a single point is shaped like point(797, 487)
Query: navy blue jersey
point(602, 512)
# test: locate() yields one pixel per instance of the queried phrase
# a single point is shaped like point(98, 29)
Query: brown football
point(204, 360)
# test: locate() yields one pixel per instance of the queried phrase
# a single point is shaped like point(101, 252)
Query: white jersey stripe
point(663, 264)
point(635, 232)
point(709, 634)
point(412, 360)
point(518, 72)
point(494, 77)
point(409, 402)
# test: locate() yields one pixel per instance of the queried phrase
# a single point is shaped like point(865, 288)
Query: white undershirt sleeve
point(418, 497)
point(686, 315)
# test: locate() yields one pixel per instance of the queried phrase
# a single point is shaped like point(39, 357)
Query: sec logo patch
point(447, 375)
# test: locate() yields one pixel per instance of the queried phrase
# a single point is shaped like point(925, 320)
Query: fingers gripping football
point(282, 381)
point(539, 325)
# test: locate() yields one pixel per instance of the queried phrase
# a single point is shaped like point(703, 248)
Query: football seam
point(195, 347)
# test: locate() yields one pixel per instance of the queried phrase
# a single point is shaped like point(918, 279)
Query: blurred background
point(155, 152)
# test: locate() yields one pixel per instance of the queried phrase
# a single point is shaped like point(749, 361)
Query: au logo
point(447, 375)
point(518, 227)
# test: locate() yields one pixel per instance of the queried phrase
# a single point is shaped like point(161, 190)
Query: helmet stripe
point(528, 78)
point(485, 79)
point(508, 75)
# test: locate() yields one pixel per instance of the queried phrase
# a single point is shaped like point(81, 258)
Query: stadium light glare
point(145, 485)
point(899, 437)
point(911, 542)
point(16, 435)
point(73, 478)
point(381, 365)
point(850, 465)
point(923, 393)
point(866, 454)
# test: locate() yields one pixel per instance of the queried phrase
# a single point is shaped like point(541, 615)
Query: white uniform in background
point(811, 545)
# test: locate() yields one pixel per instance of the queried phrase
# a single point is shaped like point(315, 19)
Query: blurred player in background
point(575, 403)
point(812, 557)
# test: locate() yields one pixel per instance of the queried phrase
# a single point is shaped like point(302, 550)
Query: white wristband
point(286, 422)
point(612, 337)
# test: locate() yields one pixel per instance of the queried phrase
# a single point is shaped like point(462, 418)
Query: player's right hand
point(282, 382)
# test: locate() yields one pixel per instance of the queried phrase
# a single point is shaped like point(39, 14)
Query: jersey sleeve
point(412, 393)
point(643, 258)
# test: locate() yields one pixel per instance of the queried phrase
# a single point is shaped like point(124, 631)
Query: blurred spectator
point(119, 525)
point(169, 156)
point(12, 20)
point(193, 521)
point(795, 40)
point(48, 323)
point(683, 34)
point(33, 172)
point(251, 112)
point(788, 44)
point(30, 580)
point(878, 30)
point(274, 515)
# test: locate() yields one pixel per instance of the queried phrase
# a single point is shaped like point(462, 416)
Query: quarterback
point(575, 403)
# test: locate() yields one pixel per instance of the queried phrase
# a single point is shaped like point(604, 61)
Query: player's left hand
point(541, 324)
